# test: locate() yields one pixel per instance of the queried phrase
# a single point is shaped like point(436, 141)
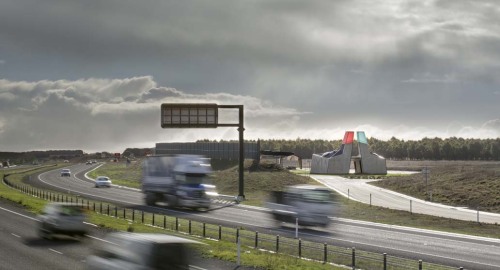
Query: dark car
point(62, 219)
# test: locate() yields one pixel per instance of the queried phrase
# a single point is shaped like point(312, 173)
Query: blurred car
point(62, 219)
point(65, 172)
point(66, 161)
point(88, 162)
point(141, 251)
point(102, 181)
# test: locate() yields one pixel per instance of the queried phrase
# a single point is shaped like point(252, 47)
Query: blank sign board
point(182, 115)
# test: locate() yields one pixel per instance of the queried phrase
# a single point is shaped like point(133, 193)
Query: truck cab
point(178, 181)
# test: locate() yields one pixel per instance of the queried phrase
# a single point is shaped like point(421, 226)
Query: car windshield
point(71, 210)
point(322, 196)
point(65, 170)
point(102, 179)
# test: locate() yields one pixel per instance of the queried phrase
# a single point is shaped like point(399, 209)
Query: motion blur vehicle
point(62, 219)
point(65, 172)
point(127, 251)
point(310, 205)
point(89, 162)
point(178, 181)
point(102, 181)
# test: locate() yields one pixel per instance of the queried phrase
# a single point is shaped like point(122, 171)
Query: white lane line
point(53, 250)
point(16, 235)
point(10, 211)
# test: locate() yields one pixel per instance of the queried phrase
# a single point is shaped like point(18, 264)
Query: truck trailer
point(177, 181)
point(307, 205)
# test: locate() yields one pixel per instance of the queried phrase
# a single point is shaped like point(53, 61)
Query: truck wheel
point(150, 199)
point(172, 201)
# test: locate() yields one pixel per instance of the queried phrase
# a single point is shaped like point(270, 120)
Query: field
point(472, 184)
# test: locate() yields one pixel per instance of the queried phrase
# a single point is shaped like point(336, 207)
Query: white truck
point(177, 181)
point(309, 205)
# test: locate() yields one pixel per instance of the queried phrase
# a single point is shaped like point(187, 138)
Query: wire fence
point(319, 252)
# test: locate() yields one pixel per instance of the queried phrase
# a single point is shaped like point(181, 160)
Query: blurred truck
point(178, 181)
point(309, 205)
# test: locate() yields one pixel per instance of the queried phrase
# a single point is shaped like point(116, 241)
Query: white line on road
point(16, 235)
point(10, 211)
point(53, 250)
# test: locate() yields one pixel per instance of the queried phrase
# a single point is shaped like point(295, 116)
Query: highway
point(360, 190)
point(430, 246)
point(22, 248)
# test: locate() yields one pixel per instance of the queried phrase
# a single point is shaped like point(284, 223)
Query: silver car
point(65, 172)
point(63, 219)
point(102, 181)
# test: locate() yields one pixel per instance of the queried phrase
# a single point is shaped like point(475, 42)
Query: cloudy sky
point(93, 74)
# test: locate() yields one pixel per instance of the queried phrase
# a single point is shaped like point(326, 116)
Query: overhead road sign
point(188, 115)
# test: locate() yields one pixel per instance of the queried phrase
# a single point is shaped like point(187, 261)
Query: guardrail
point(302, 249)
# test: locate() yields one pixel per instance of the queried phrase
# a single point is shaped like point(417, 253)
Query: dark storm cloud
point(407, 68)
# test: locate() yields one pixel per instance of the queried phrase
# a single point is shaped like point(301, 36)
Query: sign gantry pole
point(196, 115)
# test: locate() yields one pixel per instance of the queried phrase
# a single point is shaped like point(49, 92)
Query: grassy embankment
point(475, 185)
point(259, 182)
point(223, 250)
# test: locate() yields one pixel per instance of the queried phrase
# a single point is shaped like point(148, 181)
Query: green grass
point(120, 173)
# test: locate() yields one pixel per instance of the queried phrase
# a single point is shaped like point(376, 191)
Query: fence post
point(142, 216)
point(220, 232)
point(277, 243)
point(204, 229)
point(411, 208)
point(237, 233)
point(419, 264)
point(100, 207)
point(107, 212)
point(256, 239)
point(189, 227)
point(176, 224)
point(133, 215)
point(153, 220)
point(300, 248)
point(385, 261)
point(370, 199)
point(164, 222)
point(353, 258)
point(116, 212)
point(124, 213)
point(325, 253)
point(478, 214)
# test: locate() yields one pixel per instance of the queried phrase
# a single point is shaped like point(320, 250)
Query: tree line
point(425, 149)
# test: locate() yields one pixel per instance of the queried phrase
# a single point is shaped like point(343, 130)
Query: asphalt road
point(430, 246)
point(360, 190)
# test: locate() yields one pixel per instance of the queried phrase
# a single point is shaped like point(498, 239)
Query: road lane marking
point(16, 235)
point(53, 250)
point(19, 214)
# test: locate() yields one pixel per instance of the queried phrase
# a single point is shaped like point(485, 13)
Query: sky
point(92, 74)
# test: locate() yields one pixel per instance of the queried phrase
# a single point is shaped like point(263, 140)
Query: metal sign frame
point(204, 115)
